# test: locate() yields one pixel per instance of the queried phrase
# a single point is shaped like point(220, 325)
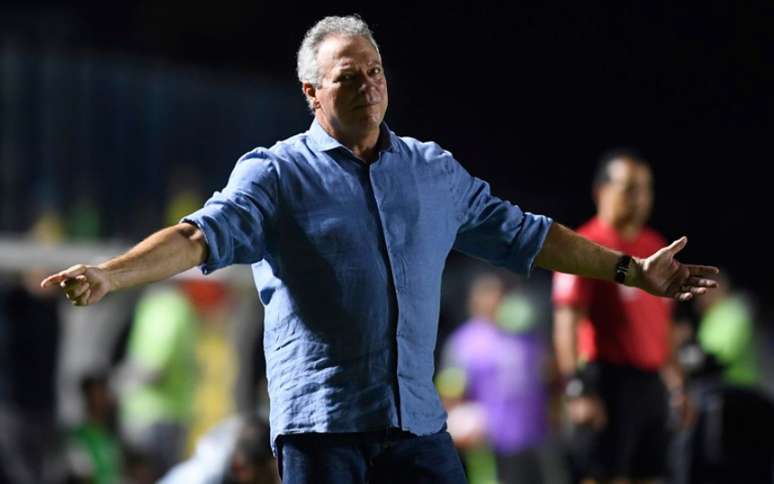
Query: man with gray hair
point(347, 227)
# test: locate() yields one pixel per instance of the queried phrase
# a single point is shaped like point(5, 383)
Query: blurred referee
point(617, 398)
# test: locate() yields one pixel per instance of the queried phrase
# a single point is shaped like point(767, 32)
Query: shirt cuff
point(200, 219)
point(533, 235)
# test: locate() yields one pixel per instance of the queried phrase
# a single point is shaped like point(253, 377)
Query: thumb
point(677, 245)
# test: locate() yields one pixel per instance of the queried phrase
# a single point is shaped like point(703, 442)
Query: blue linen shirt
point(347, 258)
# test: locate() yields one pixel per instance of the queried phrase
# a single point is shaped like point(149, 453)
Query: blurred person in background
point(726, 334)
point(469, 422)
point(30, 444)
point(236, 451)
point(94, 451)
point(216, 361)
point(613, 343)
point(156, 382)
point(334, 222)
point(497, 362)
point(252, 461)
point(732, 440)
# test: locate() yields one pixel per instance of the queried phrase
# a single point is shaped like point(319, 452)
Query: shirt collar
point(324, 142)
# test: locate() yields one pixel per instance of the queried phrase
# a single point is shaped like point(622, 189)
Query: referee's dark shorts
point(635, 441)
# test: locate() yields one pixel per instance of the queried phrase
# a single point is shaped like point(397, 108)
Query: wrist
point(578, 384)
point(628, 270)
point(634, 274)
point(574, 387)
point(109, 275)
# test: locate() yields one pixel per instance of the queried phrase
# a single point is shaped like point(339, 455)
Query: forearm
point(566, 251)
point(161, 255)
point(565, 340)
point(672, 372)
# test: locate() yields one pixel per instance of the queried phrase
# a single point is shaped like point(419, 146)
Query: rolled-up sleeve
point(493, 229)
point(235, 220)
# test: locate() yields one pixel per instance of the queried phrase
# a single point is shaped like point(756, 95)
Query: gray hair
point(349, 26)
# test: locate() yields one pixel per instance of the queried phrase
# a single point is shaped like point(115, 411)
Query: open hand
point(662, 275)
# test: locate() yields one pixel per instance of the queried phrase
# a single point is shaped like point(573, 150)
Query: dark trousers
point(635, 442)
point(369, 457)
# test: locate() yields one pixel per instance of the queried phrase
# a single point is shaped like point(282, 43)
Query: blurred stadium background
point(118, 118)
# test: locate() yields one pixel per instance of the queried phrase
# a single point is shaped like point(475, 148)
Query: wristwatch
point(582, 382)
point(577, 385)
point(575, 388)
point(622, 268)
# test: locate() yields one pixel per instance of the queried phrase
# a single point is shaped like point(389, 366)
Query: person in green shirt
point(158, 378)
point(726, 332)
point(94, 452)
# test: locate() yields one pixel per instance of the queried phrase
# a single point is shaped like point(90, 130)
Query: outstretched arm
point(660, 274)
point(161, 255)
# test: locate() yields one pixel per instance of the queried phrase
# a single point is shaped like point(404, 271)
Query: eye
point(346, 77)
point(376, 71)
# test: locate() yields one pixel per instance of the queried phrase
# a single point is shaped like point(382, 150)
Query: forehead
point(337, 50)
point(627, 170)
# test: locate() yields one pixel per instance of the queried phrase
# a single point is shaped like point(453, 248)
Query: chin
point(369, 121)
point(375, 112)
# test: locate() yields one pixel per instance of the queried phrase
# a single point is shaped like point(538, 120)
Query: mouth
point(367, 105)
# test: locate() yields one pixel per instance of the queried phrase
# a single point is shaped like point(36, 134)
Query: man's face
point(352, 95)
point(628, 195)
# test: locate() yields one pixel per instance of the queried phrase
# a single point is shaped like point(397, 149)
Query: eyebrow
point(350, 65)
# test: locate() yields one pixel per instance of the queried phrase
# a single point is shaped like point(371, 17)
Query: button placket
point(395, 269)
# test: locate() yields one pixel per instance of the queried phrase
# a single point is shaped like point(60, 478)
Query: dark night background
point(525, 94)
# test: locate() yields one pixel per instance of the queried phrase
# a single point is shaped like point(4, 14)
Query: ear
point(311, 93)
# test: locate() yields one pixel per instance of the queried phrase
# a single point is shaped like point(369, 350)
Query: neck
point(362, 143)
point(487, 316)
point(365, 149)
point(626, 229)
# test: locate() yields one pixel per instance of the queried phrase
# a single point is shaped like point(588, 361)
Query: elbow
point(196, 239)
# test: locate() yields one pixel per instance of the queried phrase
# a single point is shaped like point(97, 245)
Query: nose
point(369, 83)
point(366, 85)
